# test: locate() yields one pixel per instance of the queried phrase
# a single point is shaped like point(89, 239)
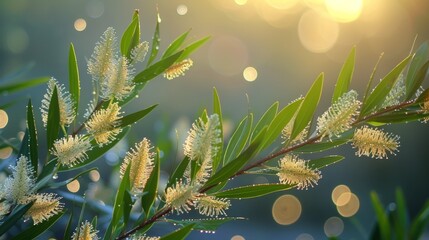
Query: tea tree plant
point(199, 181)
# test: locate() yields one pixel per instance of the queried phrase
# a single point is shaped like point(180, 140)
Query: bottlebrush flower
point(101, 60)
point(45, 206)
point(178, 69)
point(19, 186)
point(339, 117)
point(202, 138)
point(4, 209)
point(71, 150)
point(211, 206)
point(396, 93)
point(180, 197)
point(67, 113)
point(118, 83)
point(103, 124)
point(141, 163)
point(374, 143)
point(144, 237)
point(293, 170)
point(85, 232)
point(139, 52)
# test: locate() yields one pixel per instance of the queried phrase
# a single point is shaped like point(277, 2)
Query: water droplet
point(26, 219)
point(156, 47)
point(93, 92)
point(137, 96)
point(55, 176)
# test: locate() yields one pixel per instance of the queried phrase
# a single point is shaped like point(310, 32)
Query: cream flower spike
point(374, 143)
point(293, 170)
point(178, 69)
point(180, 197)
point(144, 237)
point(340, 116)
point(141, 161)
point(19, 186)
point(211, 206)
point(139, 52)
point(102, 58)
point(71, 150)
point(119, 80)
point(45, 206)
point(202, 138)
point(103, 124)
point(85, 232)
point(67, 113)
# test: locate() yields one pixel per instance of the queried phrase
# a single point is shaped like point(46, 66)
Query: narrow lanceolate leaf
point(178, 172)
point(74, 81)
point(131, 36)
point(36, 230)
point(400, 218)
point(419, 59)
point(175, 45)
point(24, 150)
point(155, 42)
point(376, 98)
point(399, 117)
point(134, 117)
point(265, 120)
point(156, 69)
point(324, 162)
point(15, 216)
point(236, 164)
point(210, 224)
point(217, 109)
point(238, 139)
point(151, 186)
point(323, 146)
point(97, 151)
point(69, 228)
point(32, 132)
point(53, 124)
point(14, 87)
point(308, 107)
point(253, 191)
point(382, 218)
point(279, 122)
point(127, 204)
point(418, 80)
point(420, 223)
point(54, 185)
point(345, 76)
point(179, 234)
point(191, 48)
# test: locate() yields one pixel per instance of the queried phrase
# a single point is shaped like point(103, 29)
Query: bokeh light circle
point(350, 208)
point(250, 74)
point(4, 119)
point(344, 10)
point(80, 24)
point(316, 32)
point(286, 210)
point(17, 40)
point(339, 191)
point(282, 4)
point(182, 9)
point(73, 186)
point(228, 55)
point(333, 227)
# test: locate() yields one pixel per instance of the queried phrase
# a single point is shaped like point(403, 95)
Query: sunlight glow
point(344, 10)
point(240, 2)
point(282, 4)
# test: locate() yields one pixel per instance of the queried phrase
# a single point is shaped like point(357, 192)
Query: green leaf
point(191, 48)
point(399, 117)
point(31, 124)
point(156, 69)
point(418, 80)
point(54, 185)
point(265, 120)
point(151, 187)
point(36, 230)
point(179, 234)
point(412, 81)
point(324, 162)
point(127, 205)
point(155, 42)
point(210, 224)
point(24, 150)
point(175, 45)
point(53, 125)
point(13, 217)
point(233, 166)
point(253, 191)
point(12, 76)
point(376, 98)
point(308, 107)
point(97, 151)
point(238, 139)
point(420, 222)
point(382, 218)
point(131, 36)
point(134, 117)
point(323, 146)
point(400, 215)
point(178, 172)
point(74, 81)
point(218, 110)
point(345, 76)
point(69, 228)
point(279, 122)
point(14, 87)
